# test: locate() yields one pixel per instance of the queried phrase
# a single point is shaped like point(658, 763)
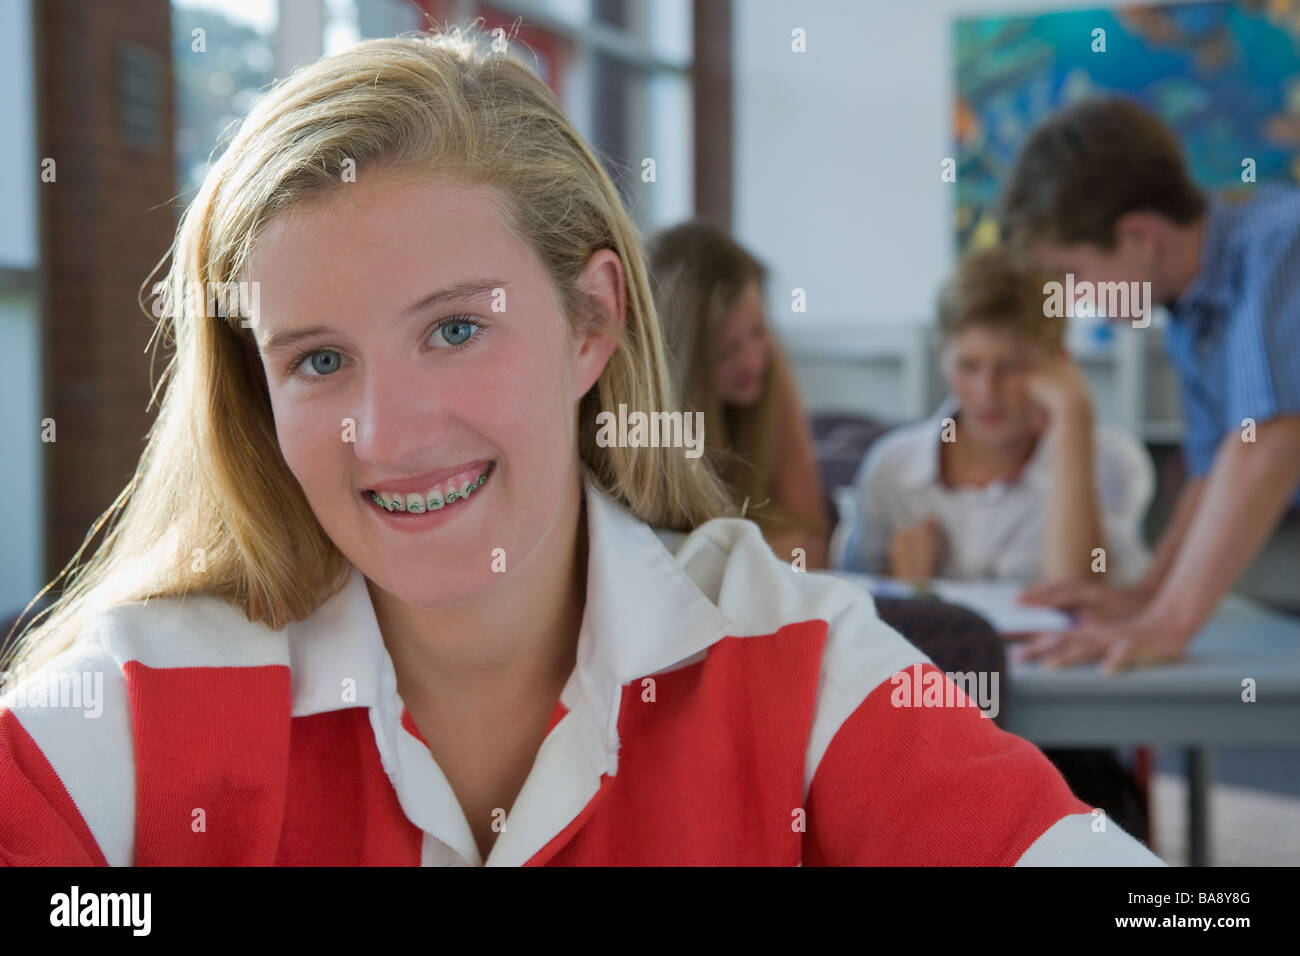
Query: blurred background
point(825, 161)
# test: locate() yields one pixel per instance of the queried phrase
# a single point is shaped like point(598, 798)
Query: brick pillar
point(713, 111)
point(106, 117)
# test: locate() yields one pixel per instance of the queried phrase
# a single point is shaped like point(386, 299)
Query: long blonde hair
point(212, 507)
point(699, 272)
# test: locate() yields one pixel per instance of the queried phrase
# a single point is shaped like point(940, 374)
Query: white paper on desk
point(995, 601)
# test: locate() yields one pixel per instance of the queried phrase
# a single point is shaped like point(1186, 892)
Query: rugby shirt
point(724, 709)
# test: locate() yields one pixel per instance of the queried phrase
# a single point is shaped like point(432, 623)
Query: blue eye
point(324, 367)
point(321, 361)
point(455, 332)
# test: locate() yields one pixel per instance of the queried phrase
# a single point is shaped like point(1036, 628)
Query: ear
point(1138, 230)
point(602, 281)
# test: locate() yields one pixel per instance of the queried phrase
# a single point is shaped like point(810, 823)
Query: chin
point(993, 434)
point(452, 585)
point(1010, 431)
point(425, 570)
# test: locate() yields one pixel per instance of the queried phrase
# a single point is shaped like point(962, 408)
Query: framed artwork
point(1224, 75)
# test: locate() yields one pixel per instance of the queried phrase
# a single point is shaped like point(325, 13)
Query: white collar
point(921, 469)
point(643, 615)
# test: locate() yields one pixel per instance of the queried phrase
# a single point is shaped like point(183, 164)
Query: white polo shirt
point(992, 532)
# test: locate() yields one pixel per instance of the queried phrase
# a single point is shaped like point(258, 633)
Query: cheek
point(961, 383)
point(725, 373)
point(527, 402)
point(527, 412)
point(1017, 393)
point(311, 440)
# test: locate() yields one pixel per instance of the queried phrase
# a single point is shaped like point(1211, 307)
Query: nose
point(984, 384)
point(756, 358)
point(401, 419)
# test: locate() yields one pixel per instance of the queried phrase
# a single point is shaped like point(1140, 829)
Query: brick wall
point(107, 220)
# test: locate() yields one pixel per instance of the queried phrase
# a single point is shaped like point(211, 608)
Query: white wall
point(22, 479)
point(838, 150)
point(18, 174)
point(838, 190)
point(21, 530)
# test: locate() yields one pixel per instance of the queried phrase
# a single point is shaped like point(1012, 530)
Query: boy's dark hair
point(990, 290)
point(1087, 165)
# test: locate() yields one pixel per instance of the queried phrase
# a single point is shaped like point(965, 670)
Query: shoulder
point(196, 630)
point(1273, 212)
point(889, 775)
point(1265, 227)
point(1115, 446)
point(1123, 468)
point(849, 649)
point(731, 563)
point(73, 729)
point(898, 450)
point(758, 593)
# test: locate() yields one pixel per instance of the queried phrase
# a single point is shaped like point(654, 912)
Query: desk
point(1195, 703)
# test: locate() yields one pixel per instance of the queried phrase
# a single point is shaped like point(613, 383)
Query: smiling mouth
point(449, 492)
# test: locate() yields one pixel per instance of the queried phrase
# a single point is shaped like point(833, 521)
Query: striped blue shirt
point(1235, 336)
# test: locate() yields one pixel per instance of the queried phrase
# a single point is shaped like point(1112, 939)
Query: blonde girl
point(376, 595)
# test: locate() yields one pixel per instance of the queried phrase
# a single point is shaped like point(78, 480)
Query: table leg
point(1199, 774)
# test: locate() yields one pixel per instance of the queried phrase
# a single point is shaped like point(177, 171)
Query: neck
point(514, 645)
point(1184, 249)
point(979, 463)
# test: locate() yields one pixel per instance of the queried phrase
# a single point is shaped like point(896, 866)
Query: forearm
point(1245, 495)
point(1171, 541)
point(1072, 526)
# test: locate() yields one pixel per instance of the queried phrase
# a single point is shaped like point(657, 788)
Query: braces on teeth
point(416, 503)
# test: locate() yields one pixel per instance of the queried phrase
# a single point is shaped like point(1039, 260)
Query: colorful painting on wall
point(1225, 76)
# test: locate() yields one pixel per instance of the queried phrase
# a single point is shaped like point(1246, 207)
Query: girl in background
point(709, 293)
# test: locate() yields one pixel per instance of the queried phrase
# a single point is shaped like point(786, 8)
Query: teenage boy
point(1011, 479)
point(1100, 191)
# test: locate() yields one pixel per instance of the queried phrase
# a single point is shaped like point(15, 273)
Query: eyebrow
point(460, 292)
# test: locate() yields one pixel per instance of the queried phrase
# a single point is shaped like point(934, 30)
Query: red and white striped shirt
point(725, 709)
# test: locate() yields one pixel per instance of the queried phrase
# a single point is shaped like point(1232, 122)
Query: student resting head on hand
point(377, 595)
point(1011, 479)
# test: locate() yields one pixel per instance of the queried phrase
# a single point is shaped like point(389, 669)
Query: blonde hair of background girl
point(211, 475)
point(699, 274)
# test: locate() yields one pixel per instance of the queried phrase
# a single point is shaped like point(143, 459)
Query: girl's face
point(414, 346)
point(741, 352)
point(987, 368)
